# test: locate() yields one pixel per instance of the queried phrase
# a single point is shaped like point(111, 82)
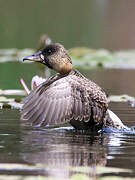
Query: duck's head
point(54, 56)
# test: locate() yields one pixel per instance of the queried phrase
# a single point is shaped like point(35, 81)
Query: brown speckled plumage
point(66, 97)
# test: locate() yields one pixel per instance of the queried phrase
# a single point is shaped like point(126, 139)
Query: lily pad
point(4, 99)
point(80, 51)
point(99, 170)
point(15, 92)
point(6, 106)
point(11, 103)
point(15, 105)
point(121, 98)
point(94, 58)
point(79, 173)
point(81, 56)
point(7, 55)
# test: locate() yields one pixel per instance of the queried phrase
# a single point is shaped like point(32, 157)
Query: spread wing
point(49, 105)
point(63, 99)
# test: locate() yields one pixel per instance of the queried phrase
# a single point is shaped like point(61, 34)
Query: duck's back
point(66, 99)
point(89, 103)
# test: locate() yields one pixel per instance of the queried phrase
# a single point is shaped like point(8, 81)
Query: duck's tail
point(113, 123)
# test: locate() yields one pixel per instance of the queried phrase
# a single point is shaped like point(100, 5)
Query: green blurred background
point(106, 24)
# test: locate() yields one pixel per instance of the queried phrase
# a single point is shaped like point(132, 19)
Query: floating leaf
point(4, 99)
point(15, 105)
point(81, 51)
point(6, 106)
point(15, 92)
point(121, 98)
point(99, 169)
point(81, 56)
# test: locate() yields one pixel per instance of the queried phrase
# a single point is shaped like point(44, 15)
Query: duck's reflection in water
point(62, 151)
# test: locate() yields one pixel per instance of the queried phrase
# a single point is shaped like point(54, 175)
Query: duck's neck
point(63, 68)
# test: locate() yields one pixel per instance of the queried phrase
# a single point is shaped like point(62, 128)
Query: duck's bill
point(35, 57)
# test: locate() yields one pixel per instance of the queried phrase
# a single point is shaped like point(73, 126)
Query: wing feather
point(64, 99)
point(48, 106)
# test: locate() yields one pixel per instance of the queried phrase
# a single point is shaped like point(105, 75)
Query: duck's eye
point(49, 51)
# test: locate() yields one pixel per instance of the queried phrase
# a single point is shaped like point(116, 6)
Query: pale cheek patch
point(42, 57)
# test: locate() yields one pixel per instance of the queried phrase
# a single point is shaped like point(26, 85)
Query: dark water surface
point(56, 152)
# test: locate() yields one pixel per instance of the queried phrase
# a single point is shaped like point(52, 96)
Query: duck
point(66, 97)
